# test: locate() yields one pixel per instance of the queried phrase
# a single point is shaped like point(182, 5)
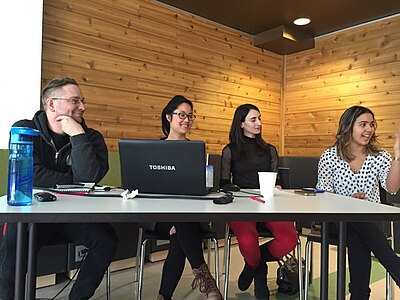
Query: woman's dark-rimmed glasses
point(183, 116)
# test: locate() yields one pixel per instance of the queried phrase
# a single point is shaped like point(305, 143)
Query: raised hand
point(69, 125)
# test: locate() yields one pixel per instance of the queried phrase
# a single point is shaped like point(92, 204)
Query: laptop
point(163, 167)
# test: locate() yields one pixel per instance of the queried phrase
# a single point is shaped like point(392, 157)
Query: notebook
point(84, 187)
point(163, 167)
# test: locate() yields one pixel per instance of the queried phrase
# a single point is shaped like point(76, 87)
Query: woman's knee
point(287, 239)
point(248, 243)
point(289, 244)
point(282, 245)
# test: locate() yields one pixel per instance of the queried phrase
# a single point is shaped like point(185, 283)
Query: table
point(284, 206)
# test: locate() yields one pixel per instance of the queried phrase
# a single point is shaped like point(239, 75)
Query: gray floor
point(122, 286)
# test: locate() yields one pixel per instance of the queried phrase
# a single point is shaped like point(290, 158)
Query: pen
point(257, 199)
point(71, 193)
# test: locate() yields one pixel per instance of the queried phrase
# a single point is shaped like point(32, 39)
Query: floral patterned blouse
point(335, 175)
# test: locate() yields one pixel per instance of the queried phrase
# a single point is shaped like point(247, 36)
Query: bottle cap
point(22, 135)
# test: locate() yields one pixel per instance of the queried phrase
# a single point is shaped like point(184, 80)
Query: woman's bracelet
point(396, 158)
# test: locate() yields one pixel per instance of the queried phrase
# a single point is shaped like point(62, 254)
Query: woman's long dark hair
point(345, 131)
point(169, 109)
point(236, 134)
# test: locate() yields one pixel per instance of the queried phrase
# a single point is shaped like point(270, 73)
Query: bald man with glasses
point(67, 151)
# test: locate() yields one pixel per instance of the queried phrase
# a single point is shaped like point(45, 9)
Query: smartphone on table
point(304, 193)
point(313, 190)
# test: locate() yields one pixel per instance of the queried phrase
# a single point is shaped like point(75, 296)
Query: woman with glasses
point(242, 159)
point(177, 118)
point(354, 166)
point(185, 238)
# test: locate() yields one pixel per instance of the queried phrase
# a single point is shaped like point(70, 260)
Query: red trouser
point(285, 239)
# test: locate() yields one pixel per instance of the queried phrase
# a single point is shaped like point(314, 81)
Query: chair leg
point(388, 286)
point(226, 242)
point(227, 260)
point(307, 275)
point(139, 244)
point(216, 261)
point(300, 271)
point(311, 262)
point(388, 278)
point(141, 268)
point(108, 284)
point(208, 252)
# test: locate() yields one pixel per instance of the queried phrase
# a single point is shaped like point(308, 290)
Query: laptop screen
point(163, 167)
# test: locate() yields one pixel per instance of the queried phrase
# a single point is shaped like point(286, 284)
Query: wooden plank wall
point(132, 56)
point(359, 66)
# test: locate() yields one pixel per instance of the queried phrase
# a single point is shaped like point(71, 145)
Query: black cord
point(73, 277)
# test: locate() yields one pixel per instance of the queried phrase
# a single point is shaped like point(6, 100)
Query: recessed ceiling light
point(302, 21)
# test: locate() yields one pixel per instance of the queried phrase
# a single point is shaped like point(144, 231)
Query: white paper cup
point(267, 182)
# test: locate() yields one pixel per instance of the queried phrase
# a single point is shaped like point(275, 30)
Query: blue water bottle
point(20, 166)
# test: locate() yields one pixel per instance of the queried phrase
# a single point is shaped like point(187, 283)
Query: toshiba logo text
point(162, 168)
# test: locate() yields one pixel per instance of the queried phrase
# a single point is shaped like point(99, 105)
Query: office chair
point(146, 234)
point(315, 236)
point(264, 233)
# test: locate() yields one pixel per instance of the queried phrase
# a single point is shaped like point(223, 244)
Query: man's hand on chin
point(70, 126)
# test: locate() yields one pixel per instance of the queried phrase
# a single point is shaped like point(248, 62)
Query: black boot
point(206, 283)
point(261, 290)
point(245, 278)
point(247, 275)
point(265, 254)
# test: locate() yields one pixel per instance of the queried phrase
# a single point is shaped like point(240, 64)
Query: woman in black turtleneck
point(242, 159)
